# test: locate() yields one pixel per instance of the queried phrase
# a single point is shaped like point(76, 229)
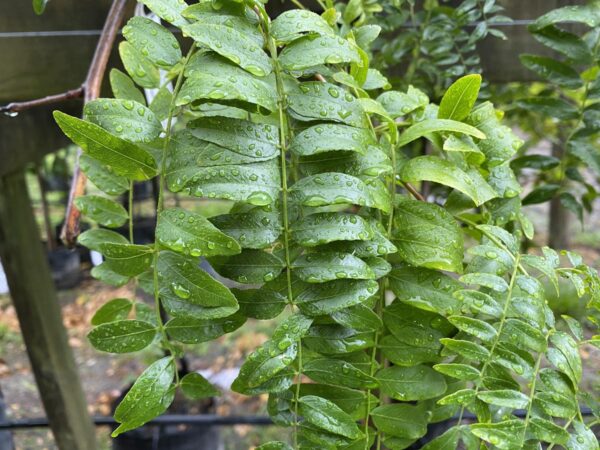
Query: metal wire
point(71, 33)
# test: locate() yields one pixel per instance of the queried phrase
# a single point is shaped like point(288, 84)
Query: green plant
point(278, 117)
point(431, 43)
point(566, 109)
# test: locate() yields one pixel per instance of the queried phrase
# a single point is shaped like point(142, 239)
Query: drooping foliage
point(384, 324)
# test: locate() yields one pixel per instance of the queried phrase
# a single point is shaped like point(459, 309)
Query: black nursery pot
point(65, 267)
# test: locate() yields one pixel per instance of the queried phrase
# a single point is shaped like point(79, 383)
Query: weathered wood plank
point(40, 318)
point(31, 135)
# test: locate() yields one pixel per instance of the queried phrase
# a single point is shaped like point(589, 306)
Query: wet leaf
point(460, 97)
point(153, 41)
point(405, 421)
point(192, 234)
point(411, 383)
point(328, 416)
point(112, 311)
point(311, 51)
point(122, 336)
point(140, 69)
point(321, 267)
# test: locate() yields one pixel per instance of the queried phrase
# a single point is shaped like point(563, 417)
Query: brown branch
point(416, 194)
point(17, 107)
point(92, 85)
point(320, 77)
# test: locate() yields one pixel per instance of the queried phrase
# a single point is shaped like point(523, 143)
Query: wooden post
point(40, 318)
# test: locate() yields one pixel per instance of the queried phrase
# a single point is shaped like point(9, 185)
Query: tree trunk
point(559, 233)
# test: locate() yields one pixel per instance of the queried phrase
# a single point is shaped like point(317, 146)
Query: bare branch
point(92, 86)
point(17, 107)
point(416, 194)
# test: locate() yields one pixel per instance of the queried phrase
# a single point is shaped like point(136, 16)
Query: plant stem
point(488, 360)
point(284, 132)
point(130, 210)
point(160, 204)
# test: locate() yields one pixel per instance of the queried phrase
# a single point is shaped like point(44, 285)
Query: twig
point(320, 77)
point(92, 85)
point(17, 107)
point(416, 194)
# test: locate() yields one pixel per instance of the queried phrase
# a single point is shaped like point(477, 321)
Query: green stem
point(284, 132)
point(496, 341)
point(160, 205)
point(536, 369)
point(130, 207)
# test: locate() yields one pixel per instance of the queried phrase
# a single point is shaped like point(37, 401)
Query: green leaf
point(399, 103)
point(479, 302)
point(411, 383)
point(433, 168)
point(257, 184)
point(192, 234)
point(447, 441)
point(457, 102)
point(93, 239)
point(335, 339)
point(586, 14)
point(195, 387)
point(575, 327)
point(39, 6)
point(553, 71)
point(292, 24)
point(311, 51)
point(126, 119)
point(153, 40)
point(124, 88)
point(466, 145)
point(253, 229)
point(400, 420)
point(339, 189)
point(539, 162)
point(429, 126)
point(460, 371)
point(552, 107)
point(541, 194)
point(428, 236)
point(212, 78)
point(564, 355)
point(351, 401)
point(548, 431)
point(425, 289)
point(123, 157)
point(265, 303)
point(122, 336)
point(461, 397)
point(521, 333)
point(181, 280)
point(127, 259)
point(504, 435)
point(467, 349)
point(168, 10)
point(139, 68)
point(146, 398)
point(194, 331)
point(474, 327)
point(263, 364)
point(359, 317)
point(326, 298)
point(377, 246)
point(321, 267)
point(486, 280)
point(103, 176)
point(104, 273)
point(274, 445)
point(226, 36)
point(337, 372)
point(161, 103)
point(321, 228)
point(328, 416)
point(582, 439)
point(374, 164)
point(102, 210)
point(112, 311)
point(407, 353)
point(316, 100)
point(506, 398)
point(557, 405)
point(329, 137)
point(500, 142)
point(252, 266)
point(241, 136)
